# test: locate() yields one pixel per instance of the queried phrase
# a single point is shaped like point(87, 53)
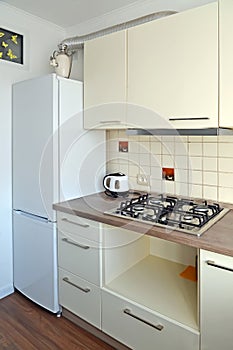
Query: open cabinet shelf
point(156, 284)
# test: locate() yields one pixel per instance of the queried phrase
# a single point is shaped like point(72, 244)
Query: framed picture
point(11, 46)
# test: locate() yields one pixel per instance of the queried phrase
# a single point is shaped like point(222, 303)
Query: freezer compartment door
point(35, 260)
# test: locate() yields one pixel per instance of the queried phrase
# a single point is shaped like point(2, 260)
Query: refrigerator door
point(35, 259)
point(35, 118)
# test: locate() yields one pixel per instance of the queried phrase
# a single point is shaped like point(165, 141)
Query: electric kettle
point(116, 185)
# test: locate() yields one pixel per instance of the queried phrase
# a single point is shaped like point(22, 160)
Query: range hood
point(177, 132)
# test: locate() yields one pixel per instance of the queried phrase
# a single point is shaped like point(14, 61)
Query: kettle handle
point(105, 182)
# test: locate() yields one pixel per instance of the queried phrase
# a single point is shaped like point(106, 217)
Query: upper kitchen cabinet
point(105, 81)
point(225, 63)
point(173, 70)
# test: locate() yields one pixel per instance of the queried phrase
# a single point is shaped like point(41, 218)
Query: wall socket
point(143, 180)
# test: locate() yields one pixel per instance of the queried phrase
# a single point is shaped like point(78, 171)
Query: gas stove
point(175, 213)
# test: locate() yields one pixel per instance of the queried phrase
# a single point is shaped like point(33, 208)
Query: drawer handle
point(110, 121)
point(159, 327)
point(189, 118)
point(76, 244)
point(85, 290)
point(75, 223)
point(212, 263)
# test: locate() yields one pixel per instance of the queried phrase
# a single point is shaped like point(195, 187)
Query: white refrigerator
point(54, 159)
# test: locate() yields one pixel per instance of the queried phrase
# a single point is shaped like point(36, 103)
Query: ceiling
point(69, 13)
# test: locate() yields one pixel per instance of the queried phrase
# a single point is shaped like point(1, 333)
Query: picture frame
point(11, 46)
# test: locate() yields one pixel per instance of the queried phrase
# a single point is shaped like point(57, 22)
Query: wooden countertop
point(218, 238)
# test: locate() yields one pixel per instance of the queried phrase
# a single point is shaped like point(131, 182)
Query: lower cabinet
point(216, 301)
point(80, 297)
point(140, 329)
point(136, 289)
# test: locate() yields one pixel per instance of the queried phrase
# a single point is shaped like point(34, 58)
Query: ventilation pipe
point(75, 43)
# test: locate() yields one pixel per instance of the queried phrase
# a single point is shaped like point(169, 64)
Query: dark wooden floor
point(26, 326)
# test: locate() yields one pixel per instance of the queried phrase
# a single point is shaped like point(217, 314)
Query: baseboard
point(7, 290)
point(93, 330)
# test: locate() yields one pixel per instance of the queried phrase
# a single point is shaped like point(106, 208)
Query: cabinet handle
point(189, 118)
point(212, 263)
point(159, 327)
point(74, 243)
point(75, 223)
point(85, 290)
point(110, 121)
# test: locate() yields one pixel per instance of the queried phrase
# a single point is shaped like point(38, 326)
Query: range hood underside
point(177, 132)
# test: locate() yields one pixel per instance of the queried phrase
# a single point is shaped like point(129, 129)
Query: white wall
point(41, 38)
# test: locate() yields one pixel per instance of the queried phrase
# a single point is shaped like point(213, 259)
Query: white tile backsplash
point(225, 180)
point(169, 186)
point(203, 165)
point(156, 147)
point(210, 192)
point(144, 159)
point(167, 161)
point(181, 162)
point(167, 148)
point(195, 191)
point(133, 147)
point(156, 172)
point(182, 189)
point(195, 163)
point(225, 165)
point(225, 194)
point(225, 150)
point(195, 149)
point(196, 177)
point(210, 164)
point(210, 178)
point(210, 149)
point(181, 148)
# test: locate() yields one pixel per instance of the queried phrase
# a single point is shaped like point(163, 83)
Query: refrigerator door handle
point(32, 216)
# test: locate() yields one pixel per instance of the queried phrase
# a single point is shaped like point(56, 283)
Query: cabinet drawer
point(80, 297)
point(78, 256)
point(140, 329)
point(79, 226)
point(217, 261)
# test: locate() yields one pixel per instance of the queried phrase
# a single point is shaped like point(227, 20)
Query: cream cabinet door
point(225, 63)
point(216, 301)
point(105, 81)
point(173, 70)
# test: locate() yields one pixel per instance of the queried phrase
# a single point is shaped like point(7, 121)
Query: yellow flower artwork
point(1, 54)
point(1, 34)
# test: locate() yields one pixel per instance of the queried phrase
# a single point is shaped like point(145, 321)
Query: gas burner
point(155, 201)
point(201, 208)
point(138, 208)
point(180, 214)
point(188, 218)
